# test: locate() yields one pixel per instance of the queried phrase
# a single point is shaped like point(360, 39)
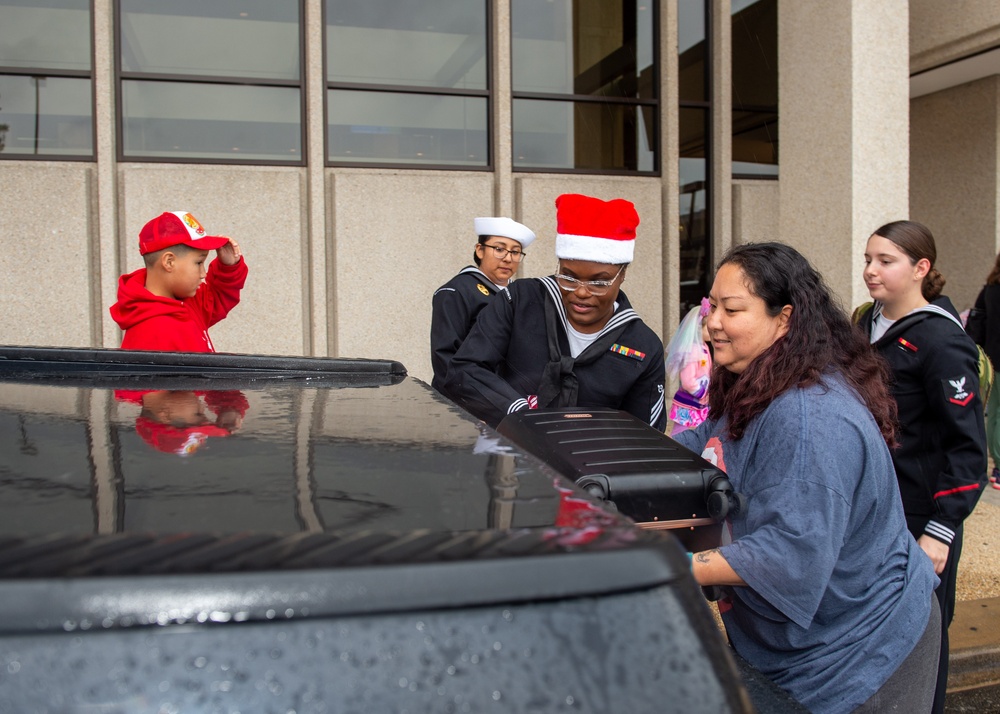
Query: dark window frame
point(121, 77)
point(707, 106)
point(47, 72)
point(656, 104)
point(397, 89)
point(758, 109)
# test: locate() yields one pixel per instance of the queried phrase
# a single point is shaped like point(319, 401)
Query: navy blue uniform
point(456, 304)
point(941, 460)
point(503, 361)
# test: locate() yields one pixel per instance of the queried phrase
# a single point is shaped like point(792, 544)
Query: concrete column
point(669, 163)
point(318, 289)
point(843, 73)
point(500, 112)
point(107, 254)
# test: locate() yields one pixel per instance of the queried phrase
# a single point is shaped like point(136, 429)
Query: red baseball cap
point(182, 441)
point(176, 228)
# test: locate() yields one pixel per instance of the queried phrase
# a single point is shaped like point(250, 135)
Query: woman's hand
point(936, 551)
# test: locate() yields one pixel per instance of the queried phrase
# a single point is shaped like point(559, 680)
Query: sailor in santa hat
point(569, 339)
point(456, 304)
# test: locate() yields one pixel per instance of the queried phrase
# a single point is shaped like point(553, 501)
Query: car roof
point(336, 466)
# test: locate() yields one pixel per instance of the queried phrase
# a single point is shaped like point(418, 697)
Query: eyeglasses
point(597, 288)
point(500, 252)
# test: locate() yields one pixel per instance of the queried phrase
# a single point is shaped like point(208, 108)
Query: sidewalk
point(979, 566)
point(974, 668)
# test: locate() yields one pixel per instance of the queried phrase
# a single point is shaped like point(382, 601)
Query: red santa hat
point(176, 228)
point(588, 228)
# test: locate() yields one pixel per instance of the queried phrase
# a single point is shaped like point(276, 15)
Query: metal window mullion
point(405, 166)
point(407, 89)
point(47, 72)
point(588, 172)
point(490, 139)
point(209, 79)
point(584, 98)
point(122, 76)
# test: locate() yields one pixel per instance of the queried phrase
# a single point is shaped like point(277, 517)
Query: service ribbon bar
point(628, 352)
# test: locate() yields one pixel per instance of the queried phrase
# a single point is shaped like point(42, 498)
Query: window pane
point(593, 47)
point(54, 34)
point(223, 38)
point(755, 87)
point(45, 115)
point(404, 42)
point(695, 248)
point(386, 127)
point(691, 46)
point(583, 135)
point(755, 143)
point(237, 123)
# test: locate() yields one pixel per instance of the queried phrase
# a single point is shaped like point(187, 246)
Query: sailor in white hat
point(456, 304)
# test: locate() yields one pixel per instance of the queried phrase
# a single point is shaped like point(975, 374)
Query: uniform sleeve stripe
point(970, 487)
point(943, 533)
point(657, 411)
point(516, 405)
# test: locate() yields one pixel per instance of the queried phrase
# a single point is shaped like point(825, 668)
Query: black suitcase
point(645, 474)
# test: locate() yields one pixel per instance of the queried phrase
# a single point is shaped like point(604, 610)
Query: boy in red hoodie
point(169, 305)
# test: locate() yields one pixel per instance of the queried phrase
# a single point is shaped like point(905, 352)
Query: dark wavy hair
point(820, 340)
point(917, 241)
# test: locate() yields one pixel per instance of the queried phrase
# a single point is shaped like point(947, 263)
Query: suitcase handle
point(720, 499)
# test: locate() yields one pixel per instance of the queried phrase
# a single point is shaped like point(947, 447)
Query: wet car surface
point(229, 533)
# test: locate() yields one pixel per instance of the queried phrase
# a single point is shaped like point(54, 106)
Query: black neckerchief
point(559, 386)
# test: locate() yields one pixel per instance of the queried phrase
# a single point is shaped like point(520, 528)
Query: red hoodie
point(168, 325)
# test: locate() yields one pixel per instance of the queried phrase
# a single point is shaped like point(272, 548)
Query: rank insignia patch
point(628, 352)
point(955, 391)
point(482, 289)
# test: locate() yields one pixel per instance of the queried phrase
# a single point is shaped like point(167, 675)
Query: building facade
point(349, 145)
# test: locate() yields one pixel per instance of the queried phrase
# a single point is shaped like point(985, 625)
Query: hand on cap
point(230, 253)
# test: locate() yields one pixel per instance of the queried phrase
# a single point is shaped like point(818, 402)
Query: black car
point(237, 533)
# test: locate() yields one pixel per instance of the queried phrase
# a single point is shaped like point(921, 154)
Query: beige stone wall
point(390, 238)
point(398, 236)
point(955, 161)
point(756, 207)
point(843, 71)
point(941, 32)
point(262, 208)
point(46, 253)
